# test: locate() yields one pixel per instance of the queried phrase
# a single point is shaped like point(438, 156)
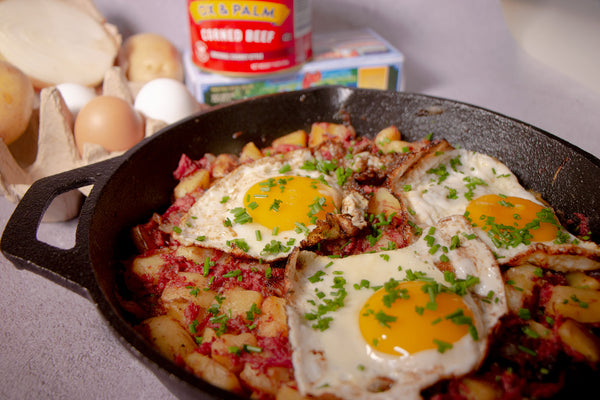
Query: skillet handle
point(67, 267)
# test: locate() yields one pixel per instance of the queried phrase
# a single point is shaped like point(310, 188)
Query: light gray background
point(56, 345)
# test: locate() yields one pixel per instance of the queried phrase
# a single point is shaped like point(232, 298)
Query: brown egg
point(110, 122)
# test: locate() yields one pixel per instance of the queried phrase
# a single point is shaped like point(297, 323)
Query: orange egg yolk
point(409, 325)
point(513, 214)
point(285, 202)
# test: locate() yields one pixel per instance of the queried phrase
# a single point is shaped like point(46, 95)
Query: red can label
point(250, 37)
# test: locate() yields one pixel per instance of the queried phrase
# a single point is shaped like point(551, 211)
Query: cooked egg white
point(373, 326)
point(461, 182)
point(262, 209)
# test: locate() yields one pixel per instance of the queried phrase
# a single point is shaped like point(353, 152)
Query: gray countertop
point(56, 345)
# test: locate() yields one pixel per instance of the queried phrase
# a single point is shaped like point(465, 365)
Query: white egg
point(166, 100)
point(75, 96)
point(462, 182)
point(262, 209)
point(345, 339)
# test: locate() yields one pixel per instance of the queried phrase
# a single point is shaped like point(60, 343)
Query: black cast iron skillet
point(127, 189)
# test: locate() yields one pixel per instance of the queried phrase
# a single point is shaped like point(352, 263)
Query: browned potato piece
point(194, 253)
point(272, 321)
point(582, 305)
point(176, 298)
point(386, 135)
point(389, 140)
point(168, 336)
point(268, 382)
point(579, 279)
point(239, 301)
point(396, 146)
point(148, 266)
point(296, 138)
point(224, 346)
point(581, 340)
point(250, 153)
point(286, 392)
point(322, 131)
point(540, 329)
point(475, 389)
point(519, 287)
point(198, 179)
point(384, 202)
point(224, 164)
point(213, 372)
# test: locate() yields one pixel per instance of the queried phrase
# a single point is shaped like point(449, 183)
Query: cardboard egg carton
point(48, 145)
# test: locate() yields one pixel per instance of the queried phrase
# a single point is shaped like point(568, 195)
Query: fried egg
point(262, 209)
point(510, 219)
point(387, 325)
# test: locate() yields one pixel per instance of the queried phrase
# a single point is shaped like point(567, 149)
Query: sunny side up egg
point(387, 325)
point(461, 182)
point(262, 209)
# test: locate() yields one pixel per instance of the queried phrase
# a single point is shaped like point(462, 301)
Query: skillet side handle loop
point(67, 267)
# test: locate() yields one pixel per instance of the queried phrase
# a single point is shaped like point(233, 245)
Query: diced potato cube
point(540, 329)
point(250, 153)
point(581, 280)
point(148, 266)
point(225, 347)
point(386, 135)
point(176, 298)
point(296, 138)
point(188, 184)
point(384, 202)
point(224, 164)
point(582, 305)
point(272, 321)
point(520, 281)
point(580, 340)
point(475, 389)
point(168, 336)
point(322, 131)
point(287, 392)
point(268, 382)
point(396, 146)
point(239, 301)
point(194, 253)
point(213, 372)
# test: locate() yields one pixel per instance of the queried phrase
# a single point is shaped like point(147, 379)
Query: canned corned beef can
point(248, 38)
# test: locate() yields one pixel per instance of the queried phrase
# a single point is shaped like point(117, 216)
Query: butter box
point(357, 58)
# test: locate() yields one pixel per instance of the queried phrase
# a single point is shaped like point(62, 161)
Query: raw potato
point(16, 102)
point(148, 56)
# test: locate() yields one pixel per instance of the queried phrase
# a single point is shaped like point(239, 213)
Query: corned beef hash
point(331, 265)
